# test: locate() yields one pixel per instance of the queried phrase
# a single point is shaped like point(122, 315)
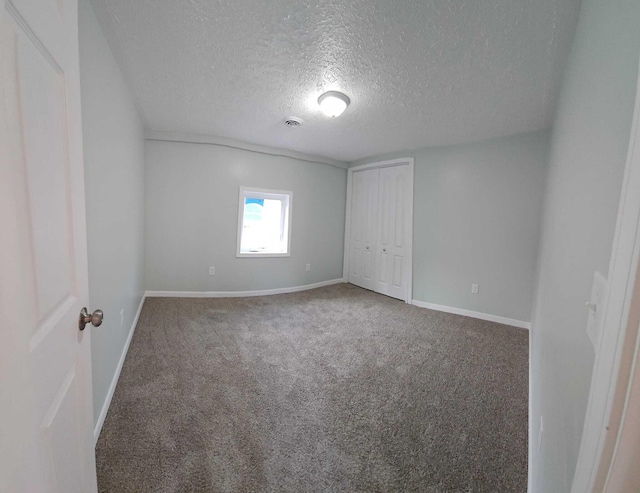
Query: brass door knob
point(94, 318)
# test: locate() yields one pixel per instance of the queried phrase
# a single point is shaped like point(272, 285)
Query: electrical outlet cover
point(595, 307)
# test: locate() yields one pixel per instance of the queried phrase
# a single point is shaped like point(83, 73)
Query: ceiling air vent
point(292, 121)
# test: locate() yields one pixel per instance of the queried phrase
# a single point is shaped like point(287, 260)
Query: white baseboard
point(469, 313)
point(238, 294)
point(114, 381)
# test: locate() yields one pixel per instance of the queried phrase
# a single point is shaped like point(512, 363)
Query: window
point(264, 223)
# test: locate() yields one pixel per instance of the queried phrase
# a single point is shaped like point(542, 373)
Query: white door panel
point(46, 411)
point(401, 196)
point(380, 219)
point(391, 275)
point(398, 271)
point(356, 244)
point(364, 199)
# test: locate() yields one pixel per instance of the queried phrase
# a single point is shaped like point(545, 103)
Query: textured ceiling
point(419, 73)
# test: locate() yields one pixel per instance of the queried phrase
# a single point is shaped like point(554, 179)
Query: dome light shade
point(333, 103)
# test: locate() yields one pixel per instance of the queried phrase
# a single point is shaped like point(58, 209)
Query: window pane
point(262, 226)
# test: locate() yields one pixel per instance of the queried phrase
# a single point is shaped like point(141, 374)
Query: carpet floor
point(336, 389)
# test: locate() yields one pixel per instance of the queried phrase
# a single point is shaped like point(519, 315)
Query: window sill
point(262, 255)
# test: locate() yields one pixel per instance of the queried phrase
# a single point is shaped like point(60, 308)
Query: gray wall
point(114, 180)
point(192, 218)
point(476, 220)
point(587, 158)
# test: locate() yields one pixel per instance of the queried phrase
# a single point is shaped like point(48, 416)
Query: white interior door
point(364, 228)
point(393, 232)
point(45, 368)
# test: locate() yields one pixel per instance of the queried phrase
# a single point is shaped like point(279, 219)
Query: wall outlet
point(595, 308)
point(121, 317)
point(540, 433)
point(475, 288)
point(212, 271)
point(308, 267)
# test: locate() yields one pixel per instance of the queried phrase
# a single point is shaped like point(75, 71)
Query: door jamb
point(613, 369)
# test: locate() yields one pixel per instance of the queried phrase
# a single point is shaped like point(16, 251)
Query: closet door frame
point(407, 161)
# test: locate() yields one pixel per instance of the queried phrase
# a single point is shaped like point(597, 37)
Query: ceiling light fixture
point(333, 103)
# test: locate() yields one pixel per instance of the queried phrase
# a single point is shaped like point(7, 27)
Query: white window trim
point(264, 193)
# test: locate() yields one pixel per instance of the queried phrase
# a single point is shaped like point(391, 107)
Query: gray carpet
point(337, 389)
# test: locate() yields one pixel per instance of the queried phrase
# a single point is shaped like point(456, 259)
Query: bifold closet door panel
point(393, 232)
point(364, 228)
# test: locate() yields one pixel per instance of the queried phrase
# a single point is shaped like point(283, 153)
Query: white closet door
point(393, 232)
point(364, 228)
